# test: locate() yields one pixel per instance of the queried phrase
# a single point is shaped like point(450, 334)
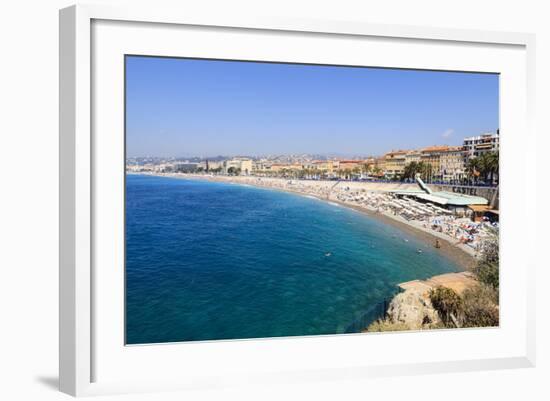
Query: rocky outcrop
point(413, 309)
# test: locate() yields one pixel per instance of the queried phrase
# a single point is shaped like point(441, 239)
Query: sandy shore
point(457, 282)
point(461, 254)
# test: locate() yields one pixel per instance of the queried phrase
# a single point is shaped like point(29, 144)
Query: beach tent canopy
point(445, 198)
point(480, 208)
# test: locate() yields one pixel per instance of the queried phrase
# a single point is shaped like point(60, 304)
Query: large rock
point(414, 309)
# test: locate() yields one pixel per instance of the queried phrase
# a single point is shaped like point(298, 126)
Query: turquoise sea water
point(208, 261)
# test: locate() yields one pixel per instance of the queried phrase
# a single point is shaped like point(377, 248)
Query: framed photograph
point(272, 200)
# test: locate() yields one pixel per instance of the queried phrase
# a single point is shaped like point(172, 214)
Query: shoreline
point(462, 255)
point(463, 258)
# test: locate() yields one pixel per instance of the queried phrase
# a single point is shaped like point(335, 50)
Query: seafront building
point(180, 167)
point(438, 163)
point(431, 156)
point(327, 166)
point(240, 165)
point(394, 163)
point(378, 168)
point(261, 165)
point(451, 164)
point(475, 146)
point(413, 156)
point(210, 165)
point(246, 166)
point(443, 162)
point(350, 164)
point(276, 167)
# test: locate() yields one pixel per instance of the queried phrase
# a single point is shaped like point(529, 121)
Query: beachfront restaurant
point(455, 202)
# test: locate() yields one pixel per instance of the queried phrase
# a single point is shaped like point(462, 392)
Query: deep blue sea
point(209, 261)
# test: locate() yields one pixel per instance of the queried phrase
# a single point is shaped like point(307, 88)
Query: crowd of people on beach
point(429, 217)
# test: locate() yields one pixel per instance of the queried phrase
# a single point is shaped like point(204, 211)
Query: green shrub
point(487, 268)
point(490, 249)
point(448, 304)
point(488, 273)
point(386, 325)
point(480, 307)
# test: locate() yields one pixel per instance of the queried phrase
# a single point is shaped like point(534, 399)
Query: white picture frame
point(80, 313)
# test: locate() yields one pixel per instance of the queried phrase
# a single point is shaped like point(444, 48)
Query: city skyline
point(204, 108)
point(467, 141)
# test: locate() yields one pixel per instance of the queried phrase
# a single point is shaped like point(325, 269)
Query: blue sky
point(189, 107)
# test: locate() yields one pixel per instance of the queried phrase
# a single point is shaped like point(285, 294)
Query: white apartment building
point(261, 165)
point(477, 145)
point(210, 165)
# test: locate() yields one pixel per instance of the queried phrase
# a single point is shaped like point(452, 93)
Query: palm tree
point(472, 168)
point(413, 168)
point(410, 170)
point(487, 165)
point(493, 164)
point(347, 173)
point(426, 170)
point(365, 168)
